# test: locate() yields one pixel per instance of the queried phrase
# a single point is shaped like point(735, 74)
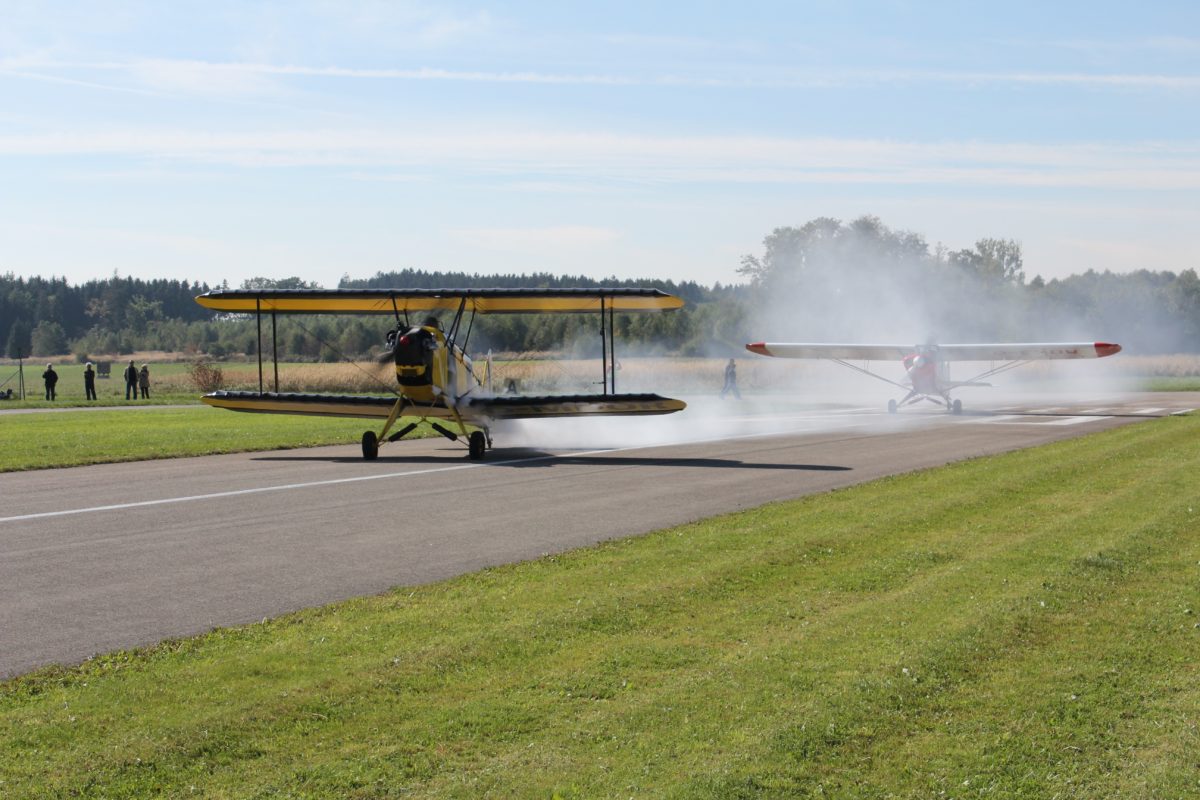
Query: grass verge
point(74, 438)
point(1172, 384)
point(1010, 627)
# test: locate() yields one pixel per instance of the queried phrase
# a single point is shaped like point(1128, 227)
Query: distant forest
point(822, 281)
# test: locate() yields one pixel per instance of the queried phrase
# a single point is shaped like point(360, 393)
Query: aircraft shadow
point(648, 461)
point(536, 459)
point(981, 413)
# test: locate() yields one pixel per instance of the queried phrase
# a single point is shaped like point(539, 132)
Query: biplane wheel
point(957, 407)
point(370, 446)
point(476, 445)
point(891, 406)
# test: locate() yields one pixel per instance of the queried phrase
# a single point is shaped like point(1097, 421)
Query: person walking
point(131, 381)
point(144, 381)
point(89, 381)
point(51, 379)
point(730, 381)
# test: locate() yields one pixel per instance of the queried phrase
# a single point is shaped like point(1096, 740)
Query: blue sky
point(223, 140)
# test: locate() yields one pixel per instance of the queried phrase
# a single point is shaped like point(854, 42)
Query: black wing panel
point(575, 405)
point(316, 405)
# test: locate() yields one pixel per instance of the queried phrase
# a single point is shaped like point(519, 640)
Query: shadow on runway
point(634, 461)
point(537, 459)
point(1068, 413)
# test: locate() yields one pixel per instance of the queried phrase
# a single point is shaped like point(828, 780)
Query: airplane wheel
point(370, 446)
point(957, 407)
point(891, 406)
point(476, 444)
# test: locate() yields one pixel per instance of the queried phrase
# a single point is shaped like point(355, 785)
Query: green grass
point(109, 392)
point(1011, 627)
point(73, 438)
point(168, 384)
point(1172, 384)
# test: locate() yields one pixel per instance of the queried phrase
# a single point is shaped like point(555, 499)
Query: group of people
point(137, 381)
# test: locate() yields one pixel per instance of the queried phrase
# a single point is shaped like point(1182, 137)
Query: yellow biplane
point(437, 380)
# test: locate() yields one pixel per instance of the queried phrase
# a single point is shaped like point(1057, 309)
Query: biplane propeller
point(926, 367)
point(436, 380)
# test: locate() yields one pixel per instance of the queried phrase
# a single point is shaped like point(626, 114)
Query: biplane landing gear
point(891, 406)
point(370, 446)
point(476, 444)
point(956, 408)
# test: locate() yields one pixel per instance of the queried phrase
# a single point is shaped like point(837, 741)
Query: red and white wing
point(1027, 351)
point(847, 352)
point(1020, 351)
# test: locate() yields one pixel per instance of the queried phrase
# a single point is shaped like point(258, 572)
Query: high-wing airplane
point(927, 366)
point(436, 379)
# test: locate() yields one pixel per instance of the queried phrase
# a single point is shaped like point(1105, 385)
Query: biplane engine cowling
point(421, 357)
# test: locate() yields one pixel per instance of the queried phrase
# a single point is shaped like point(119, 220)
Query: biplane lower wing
point(472, 409)
point(314, 405)
point(518, 407)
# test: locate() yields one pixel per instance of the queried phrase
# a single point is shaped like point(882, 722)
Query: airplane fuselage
point(428, 370)
point(926, 373)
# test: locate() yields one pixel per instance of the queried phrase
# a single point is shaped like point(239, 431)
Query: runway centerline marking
point(279, 488)
point(361, 478)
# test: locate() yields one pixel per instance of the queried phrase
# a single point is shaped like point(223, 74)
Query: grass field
point(74, 438)
point(172, 384)
point(1011, 627)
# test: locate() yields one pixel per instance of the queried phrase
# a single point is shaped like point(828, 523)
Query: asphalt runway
point(94, 559)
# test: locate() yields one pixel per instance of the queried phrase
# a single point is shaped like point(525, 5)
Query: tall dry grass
point(660, 374)
point(348, 378)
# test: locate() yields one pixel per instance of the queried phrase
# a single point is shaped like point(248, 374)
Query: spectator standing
point(51, 379)
point(131, 381)
point(89, 381)
point(730, 381)
point(144, 381)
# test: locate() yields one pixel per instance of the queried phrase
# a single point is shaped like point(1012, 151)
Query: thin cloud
point(59, 79)
point(1168, 45)
point(540, 156)
point(216, 77)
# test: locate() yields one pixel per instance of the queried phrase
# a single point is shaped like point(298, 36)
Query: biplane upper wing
point(472, 410)
point(1019, 351)
point(402, 301)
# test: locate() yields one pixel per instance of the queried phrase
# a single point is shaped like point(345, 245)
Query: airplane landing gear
point(477, 444)
point(891, 406)
point(370, 446)
point(957, 407)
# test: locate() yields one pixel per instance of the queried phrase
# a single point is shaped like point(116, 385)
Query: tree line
point(825, 280)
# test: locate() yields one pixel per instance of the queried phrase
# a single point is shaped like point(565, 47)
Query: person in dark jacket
point(131, 381)
point(51, 379)
point(144, 381)
point(89, 381)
